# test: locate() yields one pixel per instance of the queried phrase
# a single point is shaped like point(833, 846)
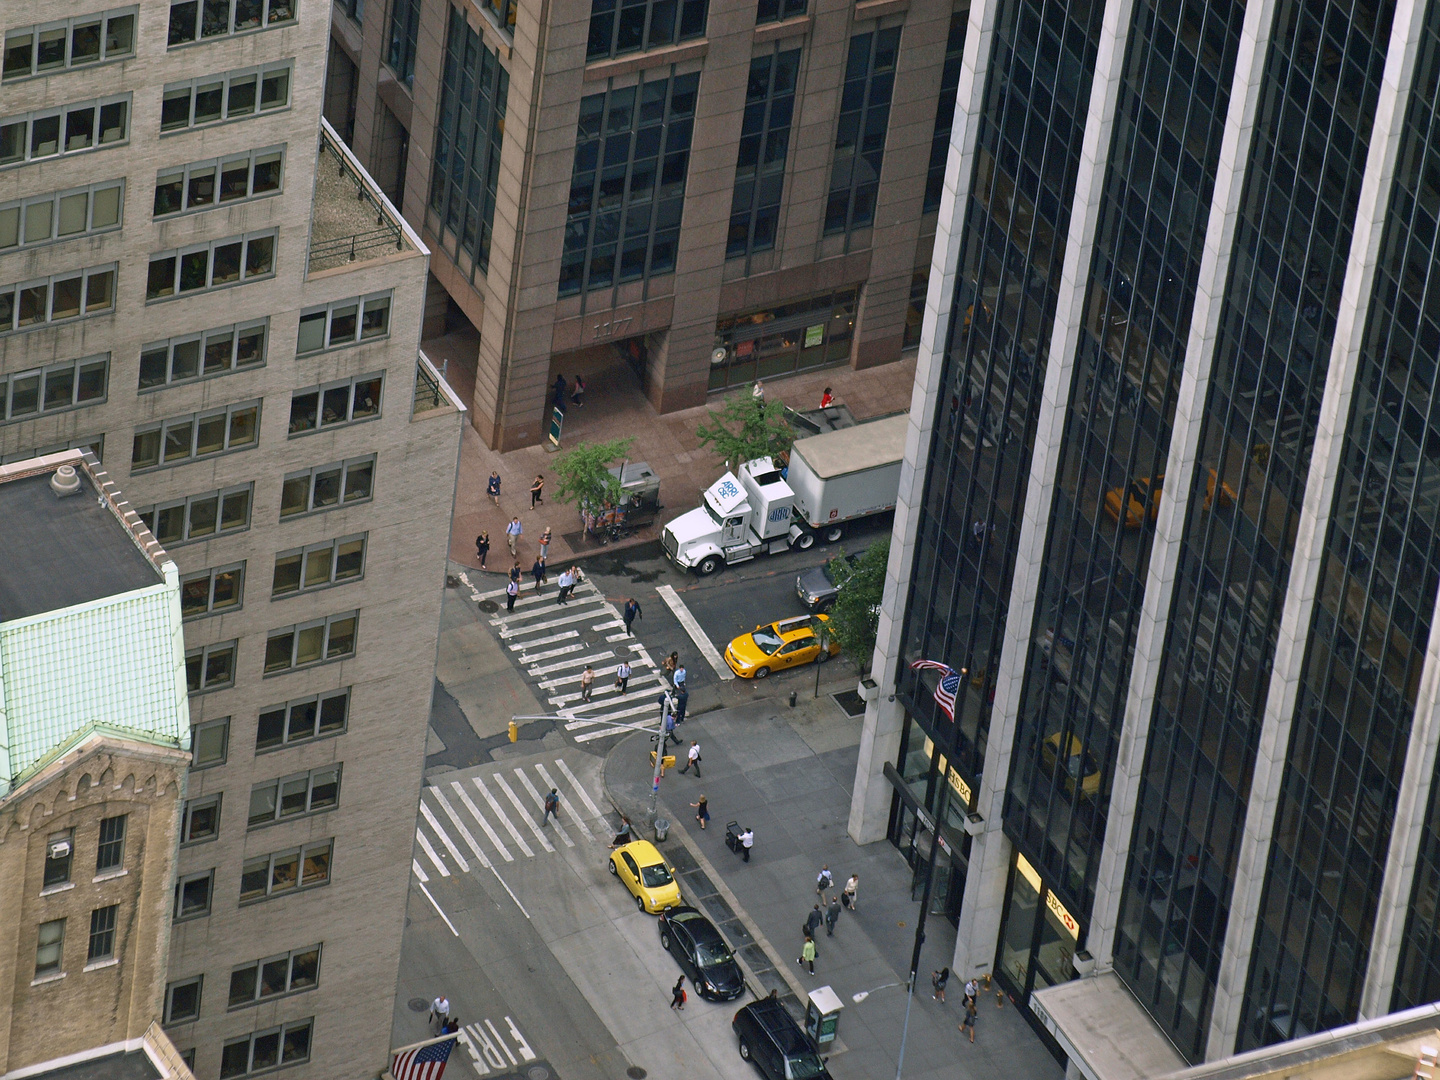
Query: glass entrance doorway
point(1038, 936)
point(915, 841)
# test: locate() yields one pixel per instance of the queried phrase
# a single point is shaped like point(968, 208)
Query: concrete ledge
point(875, 9)
point(777, 31)
point(671, 54)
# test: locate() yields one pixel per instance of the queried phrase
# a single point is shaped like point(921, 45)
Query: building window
point(945, 109)
point(319, 565)
point(468, 137)
point(915, 311)
point(85, 39)
point(182, 1000)
point(199, 356)
point(210, 591)
point(229, 95)
point(334, 404)
point(404, 32)
point(94, 443)
point(767, 11)
point(760, 162)
point(30, 304)
point(53, 389)
point(199, 516)
point(192, 895)
point(298, 868)
point(190, 20)
point(343, 322)
point(625, 26)
point(292, 796)
point(185, 438)
point(211, 667)
point(211, 266)
point(327, 485)
point(102, 934)
point(779, 341)
point(288, 973)
point(50, 948)
point(632, 152)
point(59, 855)
point(202, 185)
point(62, 215)
point(313, 642)
point(504, 12)
point(209, 743)
point(302, 719)
point(201, 820)
point(269, 1049)
point(70, 129)
point(110, 855)
point(860, 133)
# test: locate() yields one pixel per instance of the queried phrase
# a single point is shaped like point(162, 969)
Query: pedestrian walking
point(827, 399)
point(972, 991)
point(492, 488)
point(552, 807)
point(482, 548)
point(669, 664)
point(669, 718)
point(567, 582)
point(823, 881)
point(577, 395)
point(545, 543)
point(559, 398)
point(679, 679)
point(622, 676)
point(512, 592)
point(632, 612)
point(847, 894)
point(512, 533)
point(702, 809)
point(681, 700)
point(587, 682)
point(677, 994)
point(969, 1022)
point(692, 757)
point(813, 921)
point(832, 915)
point(515, 572)
point(537, 489)
point(757, 395)
point(439, 1011)
point(537, 571)
point(747, 841)
point(807, 953)
point(938, 979)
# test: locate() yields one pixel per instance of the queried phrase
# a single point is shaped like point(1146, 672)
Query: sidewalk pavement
point(787, 773)
point(616, 407)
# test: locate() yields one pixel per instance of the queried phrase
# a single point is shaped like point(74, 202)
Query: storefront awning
point(1103, 1029)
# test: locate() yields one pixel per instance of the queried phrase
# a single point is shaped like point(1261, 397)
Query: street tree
point(743, 431)
point(855, 616)
point(584, 476)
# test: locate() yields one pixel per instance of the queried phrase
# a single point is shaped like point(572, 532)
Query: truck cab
point(739, 516)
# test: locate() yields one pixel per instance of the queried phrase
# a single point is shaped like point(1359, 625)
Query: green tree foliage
point(742, 431)
point(855, 617)
point(584, 477)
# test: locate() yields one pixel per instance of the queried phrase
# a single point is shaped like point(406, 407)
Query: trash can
point(662, 828)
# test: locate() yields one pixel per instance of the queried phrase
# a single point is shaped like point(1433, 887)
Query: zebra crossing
point(553, 644)
point(491, 816)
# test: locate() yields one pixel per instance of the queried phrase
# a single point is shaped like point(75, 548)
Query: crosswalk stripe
point(419, 871)
point(549, 654)
point(475, 813)
point(444, 838)
point(564, 635)
point(610, 625)
point(520, 809)
point(541, 800)
point(464, 832)
point(607, 690)
point(572, 662)
point(425, 847)
point(564, 803)
point(532, 602)
point(695, 630)
point(509, 632)
point(504, 820)
point(603, 733)
point(577, 722)
point(561, 764)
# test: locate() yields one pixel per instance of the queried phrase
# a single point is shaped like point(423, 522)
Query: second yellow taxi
point(778, 645)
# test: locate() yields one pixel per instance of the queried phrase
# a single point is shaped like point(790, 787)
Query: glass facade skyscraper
point(1174, 515)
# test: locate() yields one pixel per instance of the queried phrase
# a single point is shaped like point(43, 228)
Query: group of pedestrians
point(514, 529)
point(938, 981)
point(825, 913)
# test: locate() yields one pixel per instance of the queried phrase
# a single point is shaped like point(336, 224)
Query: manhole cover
point(418, 1004)
point(488, 606)
point(635, 1072)
point(537, 1072)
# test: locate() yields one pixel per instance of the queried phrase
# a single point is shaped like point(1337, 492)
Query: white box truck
point(834, 479)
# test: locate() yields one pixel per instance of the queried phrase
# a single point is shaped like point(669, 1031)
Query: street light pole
point(920, 923)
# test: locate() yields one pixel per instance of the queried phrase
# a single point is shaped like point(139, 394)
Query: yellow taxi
point(778, 645)
point(1080, 768)
point(646, 874)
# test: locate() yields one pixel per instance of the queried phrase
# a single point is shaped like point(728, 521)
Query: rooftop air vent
point(65, 481)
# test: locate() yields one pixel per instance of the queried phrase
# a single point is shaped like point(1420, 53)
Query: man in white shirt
point(693, 758)
point(622, 676)
point(440, 1010)
point(567, 582)
point(747, 841)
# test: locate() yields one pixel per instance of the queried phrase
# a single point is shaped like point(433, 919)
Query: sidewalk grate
point(850, 702)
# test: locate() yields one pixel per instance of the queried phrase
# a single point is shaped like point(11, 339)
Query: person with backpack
point(692, 757)
point(823, 881)
point(938, 979)
point(622, 676)
point(552, 807)
point(512, 591)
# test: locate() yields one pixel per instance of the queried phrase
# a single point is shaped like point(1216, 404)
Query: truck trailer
point(833, 480)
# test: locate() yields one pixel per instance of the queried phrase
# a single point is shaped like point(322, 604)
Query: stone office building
point(1170, 512)
point(200, 283)
point(710, 190)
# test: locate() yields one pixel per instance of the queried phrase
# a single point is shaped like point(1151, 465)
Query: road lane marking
point(438, 911)
point(564, 635)
point(696, 632)
point(444, 838)
point(550, 654)
point(600, 691)
point(578, 722)
point(419, 871)
point(498, 1039)
point(511, 631)
point(572, 662)
point(464, 832)
point(430, 851)
point(479, 817)
point(540, 800)
point(509, 827)
point(564, 802)
point(520, 809)
point(579, 788)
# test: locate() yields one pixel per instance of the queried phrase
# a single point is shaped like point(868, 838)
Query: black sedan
point(702, 954)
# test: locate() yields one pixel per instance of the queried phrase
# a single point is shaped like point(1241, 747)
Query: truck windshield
point(711, 511)
point(767, 640)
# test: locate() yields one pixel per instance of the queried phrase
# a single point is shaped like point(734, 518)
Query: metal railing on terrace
point(351, 221)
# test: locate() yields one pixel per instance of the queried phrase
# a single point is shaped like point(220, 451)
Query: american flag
point(949, 684)
point(423, 1062)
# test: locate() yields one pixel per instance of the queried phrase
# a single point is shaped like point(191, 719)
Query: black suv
point(772, 1041)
